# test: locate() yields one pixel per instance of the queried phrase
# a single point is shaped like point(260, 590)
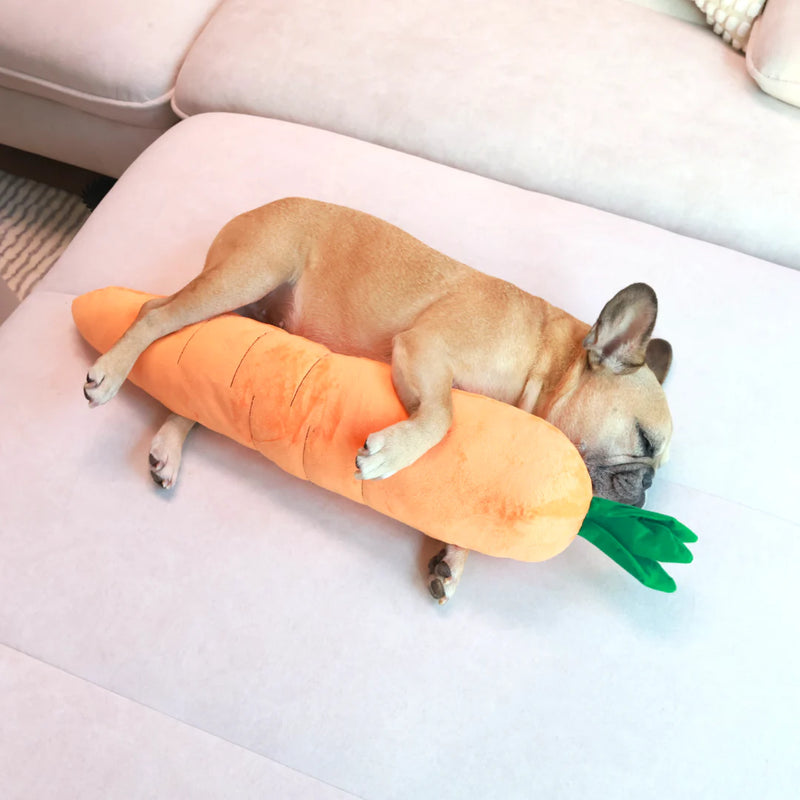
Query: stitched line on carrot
point(250, 421)
point(252, 345)
point(183, 350)
point(302, 380)
point(305, 443)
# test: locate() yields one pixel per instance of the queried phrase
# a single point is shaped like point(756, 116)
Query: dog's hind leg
point(166, 450)
point(242, 267)
point(208, 295)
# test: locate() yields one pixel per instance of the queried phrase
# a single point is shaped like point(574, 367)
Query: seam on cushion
point(302, 380)
point(188, 341)
point(308, 429)
point(756, 71)
point(250, 421)
point(78, 93)
point(177, 110)
point(775, 79)
point(252, 345)
point(303, 460)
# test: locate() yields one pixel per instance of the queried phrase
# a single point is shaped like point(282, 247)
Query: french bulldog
point(363, 287)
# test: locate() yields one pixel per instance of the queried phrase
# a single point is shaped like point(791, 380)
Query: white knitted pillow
point(732, 19)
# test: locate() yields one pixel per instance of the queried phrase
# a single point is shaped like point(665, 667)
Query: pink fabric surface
point(116, 60)
point(280, 619)
point(609, 104)
point(154, 237)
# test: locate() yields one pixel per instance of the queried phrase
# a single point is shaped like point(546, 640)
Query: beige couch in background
point(90, 82)
point(632, 107)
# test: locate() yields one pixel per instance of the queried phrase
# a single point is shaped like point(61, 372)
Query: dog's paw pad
point(443, 577)
point(436, 588)
point(440, 567)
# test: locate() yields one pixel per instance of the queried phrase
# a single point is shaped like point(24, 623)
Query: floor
point(39, 215)
point(46, 170)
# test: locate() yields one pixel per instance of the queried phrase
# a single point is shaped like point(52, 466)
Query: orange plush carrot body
point(502, 482)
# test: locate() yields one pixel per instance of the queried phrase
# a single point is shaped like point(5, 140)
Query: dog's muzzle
point(625, 483)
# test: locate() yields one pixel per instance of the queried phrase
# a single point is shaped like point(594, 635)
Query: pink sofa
point(635, 107)
point(250, 635)
point(90, 83)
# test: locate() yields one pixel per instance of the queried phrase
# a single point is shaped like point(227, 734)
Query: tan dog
point(364, 287)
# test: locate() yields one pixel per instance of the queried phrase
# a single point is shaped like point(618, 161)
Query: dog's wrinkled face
point(616, 412)
point(621, 426)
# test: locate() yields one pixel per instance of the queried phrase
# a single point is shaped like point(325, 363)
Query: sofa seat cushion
point(276, 616)
point(52, 721)
point(115, 60)
point(154, 237)
point(621, 107)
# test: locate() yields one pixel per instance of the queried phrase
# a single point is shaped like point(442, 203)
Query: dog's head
point(615, 410)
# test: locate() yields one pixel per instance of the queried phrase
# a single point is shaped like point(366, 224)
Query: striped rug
point(36, 223)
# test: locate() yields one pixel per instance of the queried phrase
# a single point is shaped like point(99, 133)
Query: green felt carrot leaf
point(638, 540)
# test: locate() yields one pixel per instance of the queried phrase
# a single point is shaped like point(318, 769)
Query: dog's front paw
point(371, 460)
point(382, 455)
point(444, 572)
point(102, 383)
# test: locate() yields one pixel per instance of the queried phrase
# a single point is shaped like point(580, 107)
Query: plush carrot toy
point(502, 482)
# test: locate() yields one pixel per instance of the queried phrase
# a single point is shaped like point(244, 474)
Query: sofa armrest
point(773, 55)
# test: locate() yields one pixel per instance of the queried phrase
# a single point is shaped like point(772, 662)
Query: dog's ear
point(618, 340)
point(659, 357)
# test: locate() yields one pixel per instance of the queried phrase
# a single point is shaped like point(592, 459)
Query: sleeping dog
point(363, 287)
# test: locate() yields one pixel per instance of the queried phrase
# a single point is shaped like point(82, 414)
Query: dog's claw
point(90, 384)
point(157, 479)
point(379, 458)
point(102, 383)
point(163, 477)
